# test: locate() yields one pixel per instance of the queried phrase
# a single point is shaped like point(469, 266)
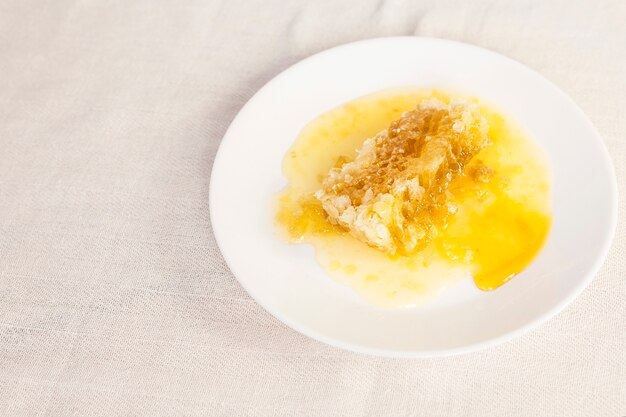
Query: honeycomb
point(393, 195)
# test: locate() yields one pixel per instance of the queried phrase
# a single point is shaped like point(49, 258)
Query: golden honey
point(502, 205)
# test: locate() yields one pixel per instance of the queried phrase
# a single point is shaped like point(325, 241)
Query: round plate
point(285, 278)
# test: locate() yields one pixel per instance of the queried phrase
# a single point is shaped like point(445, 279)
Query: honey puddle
point(498, 229)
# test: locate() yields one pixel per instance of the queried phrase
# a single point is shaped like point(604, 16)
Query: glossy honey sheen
point(500, 226)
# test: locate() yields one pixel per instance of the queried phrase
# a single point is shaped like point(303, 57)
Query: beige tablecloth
point(114, 299)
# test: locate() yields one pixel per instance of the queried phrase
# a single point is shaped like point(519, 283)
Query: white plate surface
point(286, 280)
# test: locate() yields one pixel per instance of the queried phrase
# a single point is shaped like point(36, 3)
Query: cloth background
point(114, 299)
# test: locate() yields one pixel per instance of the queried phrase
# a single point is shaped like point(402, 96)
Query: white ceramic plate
point(286, 280)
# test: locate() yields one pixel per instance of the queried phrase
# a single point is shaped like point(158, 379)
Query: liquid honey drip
point(499, 227)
